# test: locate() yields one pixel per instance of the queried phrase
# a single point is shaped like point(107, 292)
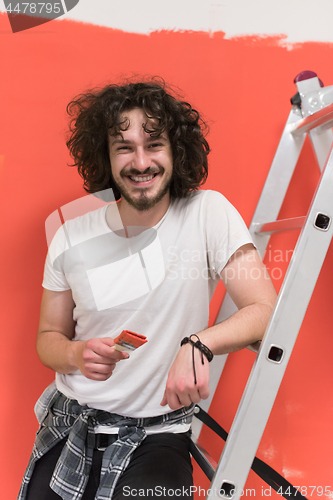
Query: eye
point(155, 145)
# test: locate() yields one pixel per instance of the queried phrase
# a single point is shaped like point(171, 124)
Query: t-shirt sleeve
point(226, 231)
point(55, 279)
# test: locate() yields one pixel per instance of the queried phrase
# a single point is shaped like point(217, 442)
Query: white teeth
point(142, 179)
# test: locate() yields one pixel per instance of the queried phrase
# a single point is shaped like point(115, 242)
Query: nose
point(142, 159)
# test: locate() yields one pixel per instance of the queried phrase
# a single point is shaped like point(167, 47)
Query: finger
point(202, 386)
point(105, 349)
point(186, 399)
point(118, 354)
point(100, 377)
point(103, 369)
point(173, 401)
point(164, 400)
point(115, 355)
point(203, 393)
point(192, 397)
point(91, 357)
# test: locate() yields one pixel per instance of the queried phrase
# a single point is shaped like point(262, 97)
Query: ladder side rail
point(277, 181)
point(266, 376)
point(321, 141)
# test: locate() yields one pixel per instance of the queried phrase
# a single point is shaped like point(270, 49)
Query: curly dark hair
point(97, 113)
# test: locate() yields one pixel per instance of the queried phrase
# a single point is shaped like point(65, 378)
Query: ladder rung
point(254, 347)
point(279, 225)
point(321, 117)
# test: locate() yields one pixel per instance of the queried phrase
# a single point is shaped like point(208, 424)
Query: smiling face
point(141, 165)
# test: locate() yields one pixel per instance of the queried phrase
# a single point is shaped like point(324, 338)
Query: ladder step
point(322, 117)
point(279, 225)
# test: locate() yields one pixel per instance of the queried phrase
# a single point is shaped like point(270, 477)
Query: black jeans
point(160, 468)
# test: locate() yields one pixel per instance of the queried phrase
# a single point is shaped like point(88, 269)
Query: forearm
point(255, 299)
point(247, 282)
point(96, 358)
point(58, 352)
point(243, 328)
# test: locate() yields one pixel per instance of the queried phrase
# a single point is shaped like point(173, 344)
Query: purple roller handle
point(306, 75)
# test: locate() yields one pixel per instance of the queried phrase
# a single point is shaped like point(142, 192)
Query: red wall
point(243, 88)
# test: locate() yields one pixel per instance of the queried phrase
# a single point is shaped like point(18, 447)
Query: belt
point(102, 441)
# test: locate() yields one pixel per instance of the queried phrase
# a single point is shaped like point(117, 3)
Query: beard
point(144, 201)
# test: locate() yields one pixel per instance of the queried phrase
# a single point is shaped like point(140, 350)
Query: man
point(115, 423)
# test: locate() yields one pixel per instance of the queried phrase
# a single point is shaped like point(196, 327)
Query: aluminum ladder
point(312, 115)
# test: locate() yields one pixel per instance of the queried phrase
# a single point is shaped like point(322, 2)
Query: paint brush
point(129, 341)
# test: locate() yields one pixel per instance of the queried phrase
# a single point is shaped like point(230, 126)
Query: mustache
point(148, 171)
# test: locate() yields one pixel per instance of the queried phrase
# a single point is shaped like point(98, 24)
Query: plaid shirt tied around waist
point(60, 416)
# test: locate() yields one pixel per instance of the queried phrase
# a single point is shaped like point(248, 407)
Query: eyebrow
point(156, 138)
point(120, 140)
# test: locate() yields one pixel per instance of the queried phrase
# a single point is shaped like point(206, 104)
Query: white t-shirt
point(157, 284)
